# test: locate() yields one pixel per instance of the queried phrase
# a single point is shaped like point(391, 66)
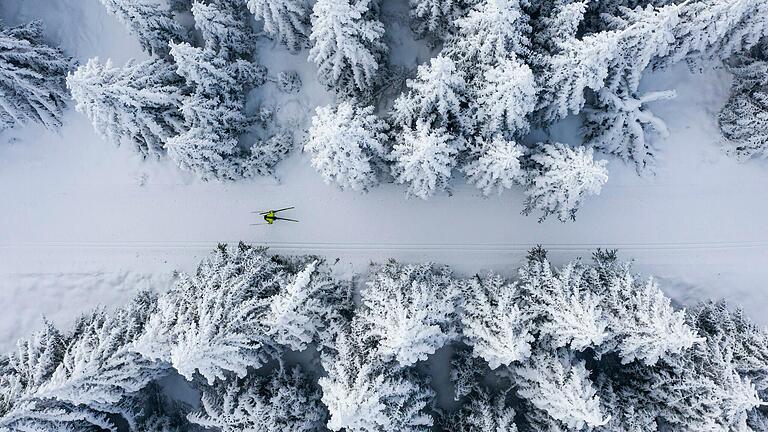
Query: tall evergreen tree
point(139, 103)
point(347, 144)
point(32, 77)
point(346, 45)
point(286, 20)
point(282, 401)
point(212, 322)
point(423, 159)
point(150, 21)
point(364, 395)
point(562, 176)
point(409, 312)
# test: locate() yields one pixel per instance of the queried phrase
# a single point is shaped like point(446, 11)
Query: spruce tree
point(347, 144)
point(285, 20)
point(139, 104)
point(32, 78)
point(150, 21)
point(560, 179)
point(423, 159)
point(282, 401)
point(408, 311)
point(347, 46)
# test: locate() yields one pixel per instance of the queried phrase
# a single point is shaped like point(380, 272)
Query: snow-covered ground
point(83, 223)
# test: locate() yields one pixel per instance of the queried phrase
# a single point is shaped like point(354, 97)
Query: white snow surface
point(84, 224)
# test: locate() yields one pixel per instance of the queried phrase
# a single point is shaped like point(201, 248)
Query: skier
point(270, 216)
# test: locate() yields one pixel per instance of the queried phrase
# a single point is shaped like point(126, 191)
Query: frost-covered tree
point(435, 18)
point(214, 112)
point(347, 45)
point(505, 96)
point(363, 395)
point(211, 321)
point(423, 159)
point(562, 176)
point(30, 366)
point(494, 324)
point(266, 153)
point(561, 387)
point(99, 367)
point(32, 77)
point(225, 27)
point(306, 307)
point(483, 413)
point(285, 20)
point(497, 167)
point(492, 30)
point(437, 97)
point(150, 21)
point(409, 311)
point(622, 125)
point(82, 381)
point(138, 104)
point(748, 342)
point(642, 322)
point(568, 312)
point(717, 28)
point(744, 118)
point(347, 145)
point(283, 401)
point(577, 65)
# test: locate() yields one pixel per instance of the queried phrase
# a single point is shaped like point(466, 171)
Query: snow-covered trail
point(74, 208)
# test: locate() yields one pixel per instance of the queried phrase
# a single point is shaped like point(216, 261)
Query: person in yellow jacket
point(270, 216)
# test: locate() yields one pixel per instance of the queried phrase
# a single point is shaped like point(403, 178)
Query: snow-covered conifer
point(211, 321)
point(557, 24)
point(568, 311)
point(744, 118)
point(225, 28)
point(577, 65)
point(642, 322)
point(748, 342)
point(30, 366)
point(621, 125)
point(561, 178)
point(363, 395)
point(99, 367)
point(214, 113)
point(490, 31)
point(305, 308)
point(497, 167)
point(52, 415)
point(467, 372)
point(438, 97)
point(347, 144)
point(32, 77)
point(346, 45)
point(435, 18)
point(208, 154)
point(484, 413)
point(505, 96)
point(410, 311)
point(423, 159)
point(718, 28)
point(283, 401)
point(286, 20)
point(138, 103)
point(266, 153)
point(494, 325)
point(84, 381)
point(561, 387)
point(149, 21)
